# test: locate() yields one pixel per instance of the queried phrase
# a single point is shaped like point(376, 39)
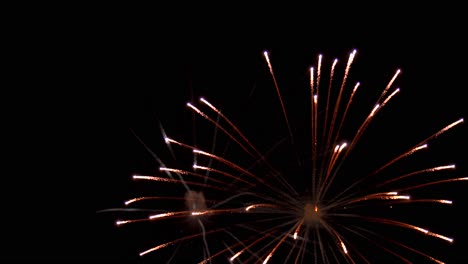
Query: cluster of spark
point(323, 174)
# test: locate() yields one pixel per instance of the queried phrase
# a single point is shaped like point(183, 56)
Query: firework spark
point(262, 217)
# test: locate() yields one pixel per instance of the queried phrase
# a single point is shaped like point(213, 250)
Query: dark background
point(82, 78)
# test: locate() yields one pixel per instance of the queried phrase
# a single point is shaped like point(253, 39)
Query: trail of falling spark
point(265, 53)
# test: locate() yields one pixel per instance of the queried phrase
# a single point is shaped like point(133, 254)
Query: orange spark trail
point(160, 179)
point(198, 111)
point(438, 168)
point(279, 96)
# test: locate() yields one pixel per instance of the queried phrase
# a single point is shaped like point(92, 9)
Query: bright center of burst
point(312, 214)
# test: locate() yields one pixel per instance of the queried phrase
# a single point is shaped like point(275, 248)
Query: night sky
point(87, 82)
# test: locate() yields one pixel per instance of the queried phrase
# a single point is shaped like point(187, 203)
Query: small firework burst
point(236, 203)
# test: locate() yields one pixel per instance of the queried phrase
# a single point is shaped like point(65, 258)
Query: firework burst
point(236, 203)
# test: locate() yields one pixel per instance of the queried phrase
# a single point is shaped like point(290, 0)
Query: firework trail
point(246, 211)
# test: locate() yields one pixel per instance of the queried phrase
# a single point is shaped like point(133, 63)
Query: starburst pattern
point(248, 211)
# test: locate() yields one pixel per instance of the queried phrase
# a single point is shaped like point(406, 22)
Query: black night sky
point(87, 82)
